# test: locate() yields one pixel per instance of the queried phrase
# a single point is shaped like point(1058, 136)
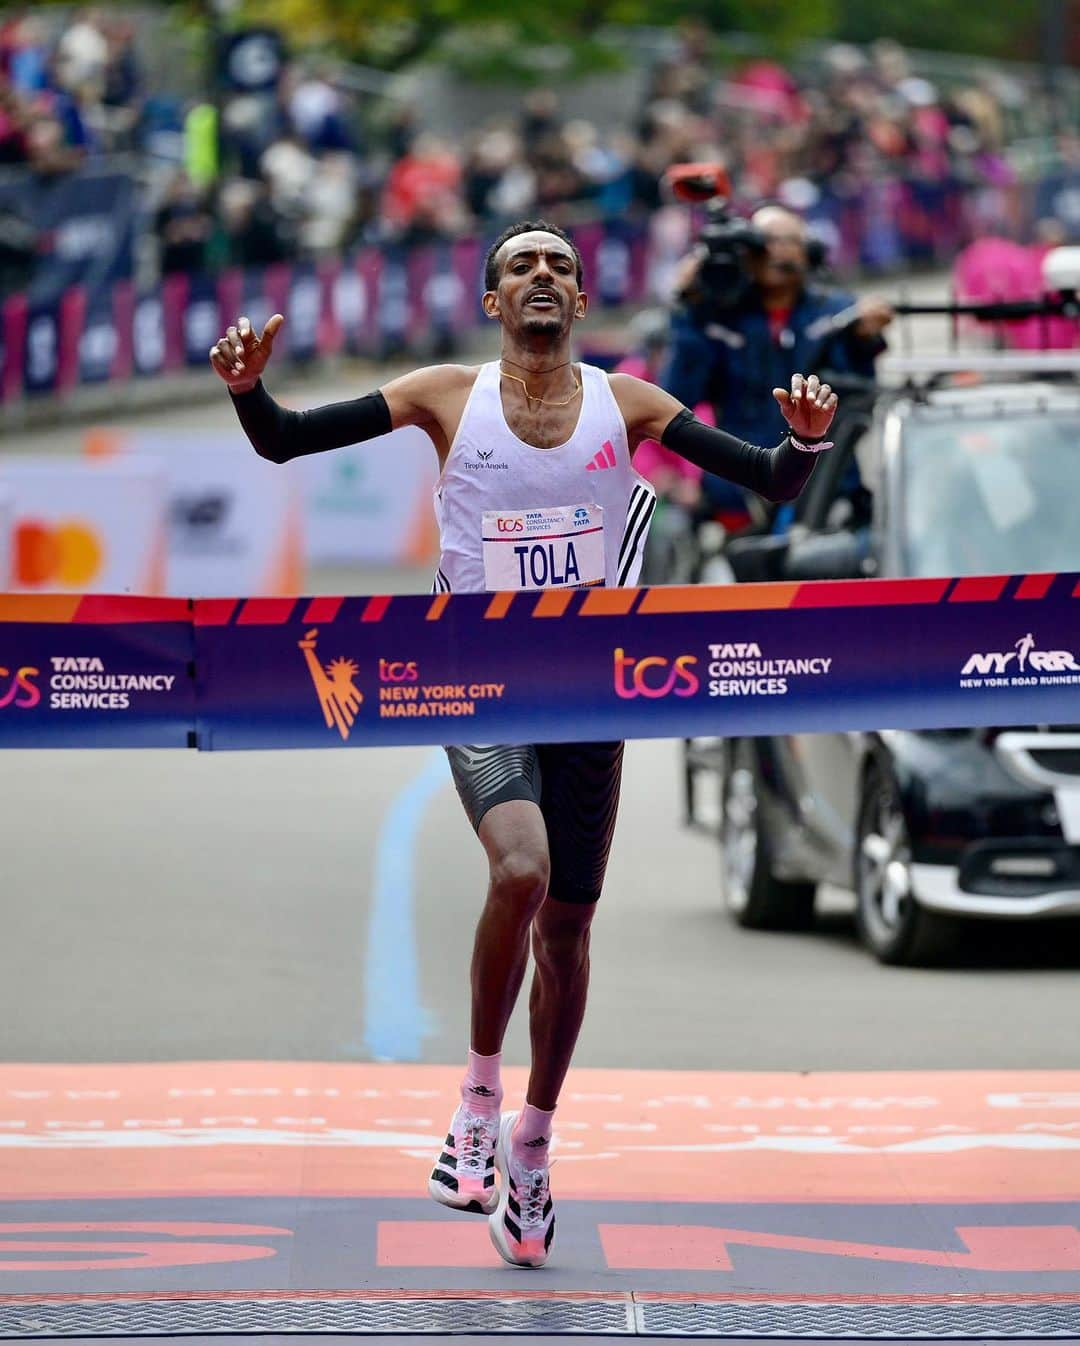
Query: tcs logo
point(70, 553)
point(654, 676)
point(510, 525)
point(18, 689)
point(394, 670)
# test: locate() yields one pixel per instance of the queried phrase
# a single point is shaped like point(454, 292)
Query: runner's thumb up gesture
point(808, 408)
point(240, 356)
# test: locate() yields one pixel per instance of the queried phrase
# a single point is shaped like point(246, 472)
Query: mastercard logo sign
point(69, 553)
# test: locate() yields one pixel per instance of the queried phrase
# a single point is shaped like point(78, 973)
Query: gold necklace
point(531, 397)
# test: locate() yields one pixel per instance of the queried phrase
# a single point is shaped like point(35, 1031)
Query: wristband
point(813, 446)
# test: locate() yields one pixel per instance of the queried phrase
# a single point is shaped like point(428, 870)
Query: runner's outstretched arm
point(777, 473)
point(279, 434)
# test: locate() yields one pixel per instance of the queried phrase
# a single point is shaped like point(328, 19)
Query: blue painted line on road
point(395, 1022)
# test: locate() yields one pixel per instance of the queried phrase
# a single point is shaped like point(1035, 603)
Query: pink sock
point(531, 1136)
point(481, 1090)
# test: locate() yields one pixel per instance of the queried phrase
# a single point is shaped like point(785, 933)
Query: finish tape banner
point(558, 665)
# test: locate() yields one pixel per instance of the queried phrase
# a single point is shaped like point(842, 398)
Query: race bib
point(543, 548)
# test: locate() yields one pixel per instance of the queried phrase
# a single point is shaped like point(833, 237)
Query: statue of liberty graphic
point(339, 696)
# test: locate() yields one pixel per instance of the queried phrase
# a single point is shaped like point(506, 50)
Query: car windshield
point(991, 496)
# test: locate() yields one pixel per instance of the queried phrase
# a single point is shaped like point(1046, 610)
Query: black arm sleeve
point(779, 473)
point(279, 434)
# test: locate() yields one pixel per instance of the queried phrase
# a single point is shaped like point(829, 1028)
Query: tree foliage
point(391, 33)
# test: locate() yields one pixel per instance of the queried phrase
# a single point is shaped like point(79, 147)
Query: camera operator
point(748, 316)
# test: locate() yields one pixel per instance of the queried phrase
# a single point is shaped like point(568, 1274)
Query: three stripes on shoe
point(445, 1170)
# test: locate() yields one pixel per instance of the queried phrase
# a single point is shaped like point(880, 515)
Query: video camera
point(726, 241)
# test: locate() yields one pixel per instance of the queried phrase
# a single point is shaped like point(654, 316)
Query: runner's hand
point(808, 408)
point(240, 356)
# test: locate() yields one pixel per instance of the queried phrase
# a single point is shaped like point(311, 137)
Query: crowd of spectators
point(302, 173)
point(69, 95)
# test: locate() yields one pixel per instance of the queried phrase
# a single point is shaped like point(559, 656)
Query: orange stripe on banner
point(38, 607)
point(499, 606)
point(608, 602)
point(869, 593)
point(979, 589)
point(432, 1243)
point(553, 603)
point(214, 611)
point(437, 608)
point(375, 610)
point(718, 598)
point(1034, 586)
point(322, 610)
point(265, 611)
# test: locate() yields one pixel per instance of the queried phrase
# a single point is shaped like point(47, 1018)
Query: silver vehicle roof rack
point(984, 362)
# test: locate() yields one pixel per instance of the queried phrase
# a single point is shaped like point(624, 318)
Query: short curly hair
point(491, 269)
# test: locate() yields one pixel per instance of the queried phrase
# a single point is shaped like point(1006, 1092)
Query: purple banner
point(665, 662)
point(95, 672)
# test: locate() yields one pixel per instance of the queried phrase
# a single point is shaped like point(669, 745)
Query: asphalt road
point(167, 906)
point(164, 906)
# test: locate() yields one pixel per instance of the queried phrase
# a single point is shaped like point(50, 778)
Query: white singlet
point(512, 516)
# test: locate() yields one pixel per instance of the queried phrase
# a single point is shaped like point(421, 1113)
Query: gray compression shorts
point(576, 788)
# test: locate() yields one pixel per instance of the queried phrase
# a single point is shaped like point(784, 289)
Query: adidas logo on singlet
point(604, 459)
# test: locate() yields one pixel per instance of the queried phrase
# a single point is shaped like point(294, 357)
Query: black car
point(926, 827)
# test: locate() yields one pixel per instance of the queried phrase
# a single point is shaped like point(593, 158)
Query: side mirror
point(758, 558)
point(826, 556)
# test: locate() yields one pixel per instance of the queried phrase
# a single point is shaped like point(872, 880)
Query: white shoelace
point(477, 1142)
point(536, 1185)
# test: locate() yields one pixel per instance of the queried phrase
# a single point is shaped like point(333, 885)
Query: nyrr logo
point(654, 676)
point(18, 690)
point(339, 696)
point(1027, 657)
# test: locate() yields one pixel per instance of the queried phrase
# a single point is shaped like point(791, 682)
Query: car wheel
point(754, 898)
point(891, 922)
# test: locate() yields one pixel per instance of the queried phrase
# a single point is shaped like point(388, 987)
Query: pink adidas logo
point(604, 459)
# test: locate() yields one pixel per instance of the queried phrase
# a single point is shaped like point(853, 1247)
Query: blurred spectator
point(254, 234)
point(82, 53)
point(422, 199)
point(24, 52)
point(289, 168)
point(122, 88)
point(184, 225)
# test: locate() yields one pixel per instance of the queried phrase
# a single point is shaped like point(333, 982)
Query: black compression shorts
point(575, 786)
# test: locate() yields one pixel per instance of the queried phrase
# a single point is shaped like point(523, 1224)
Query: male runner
point(530, 431)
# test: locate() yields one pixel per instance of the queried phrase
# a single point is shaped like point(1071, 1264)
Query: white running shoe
point(523, 1224)
point(464, 1173)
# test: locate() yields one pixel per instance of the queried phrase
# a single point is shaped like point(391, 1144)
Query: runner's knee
point(519, 879)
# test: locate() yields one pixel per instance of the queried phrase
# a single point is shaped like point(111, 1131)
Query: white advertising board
point(235, 522)
point(371, 502)
point(85, 527)
point(6, 541)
